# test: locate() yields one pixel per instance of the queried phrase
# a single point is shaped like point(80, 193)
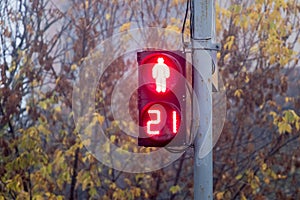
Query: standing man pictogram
point(160, 72)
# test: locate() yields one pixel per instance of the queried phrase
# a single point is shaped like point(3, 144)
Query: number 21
point(157, 120)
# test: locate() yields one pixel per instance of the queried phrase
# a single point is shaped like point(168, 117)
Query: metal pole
point(202, 35)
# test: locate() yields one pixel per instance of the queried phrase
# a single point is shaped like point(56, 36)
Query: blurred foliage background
point(43, 44)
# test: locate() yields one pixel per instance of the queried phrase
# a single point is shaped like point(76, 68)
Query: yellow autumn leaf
point(247, 79)
point(48, 194)
point(267, 180)
point(112, 138)
point(264, 167)
point(136, 192)
point(272, 60)
point(59, 197)
point(73, 67)
point(273, 175)
point(43, 105)
point(229, 42)
point(273, 114)
point(284, 127)
point(86, 142)
point(257, 179)
point(254, 49)
point(99, 118)
point(43, 129)
point(112, 185)
point(125, 27)
point(38, 197)
point(238, 93)
point(173, 28)
point(254, 185)
point(218, 55)
point(289, 116)
point(107, 16)
point(297, 124)
point(57, 80)
point(175, 189)
point(12, 67)
point(239, 176)
point(243, 197)
point(220, 195)
point(282, 176)
point(57, 109)
point(226, 57)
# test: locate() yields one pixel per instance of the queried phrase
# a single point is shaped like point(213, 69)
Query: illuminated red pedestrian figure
point(160, 72)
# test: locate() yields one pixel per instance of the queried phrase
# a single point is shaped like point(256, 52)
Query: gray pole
point(202, 29)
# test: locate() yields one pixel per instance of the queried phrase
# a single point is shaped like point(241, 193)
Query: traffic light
point(161, 98)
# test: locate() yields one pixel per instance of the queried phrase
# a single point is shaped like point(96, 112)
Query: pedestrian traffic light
point(161, 98)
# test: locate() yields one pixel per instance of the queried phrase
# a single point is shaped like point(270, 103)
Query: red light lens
point(161, 71)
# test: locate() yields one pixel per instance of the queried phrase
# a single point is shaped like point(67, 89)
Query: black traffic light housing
point(162, 98)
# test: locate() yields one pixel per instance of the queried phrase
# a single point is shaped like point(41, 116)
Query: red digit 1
point(156, 121)
point(174, 117)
